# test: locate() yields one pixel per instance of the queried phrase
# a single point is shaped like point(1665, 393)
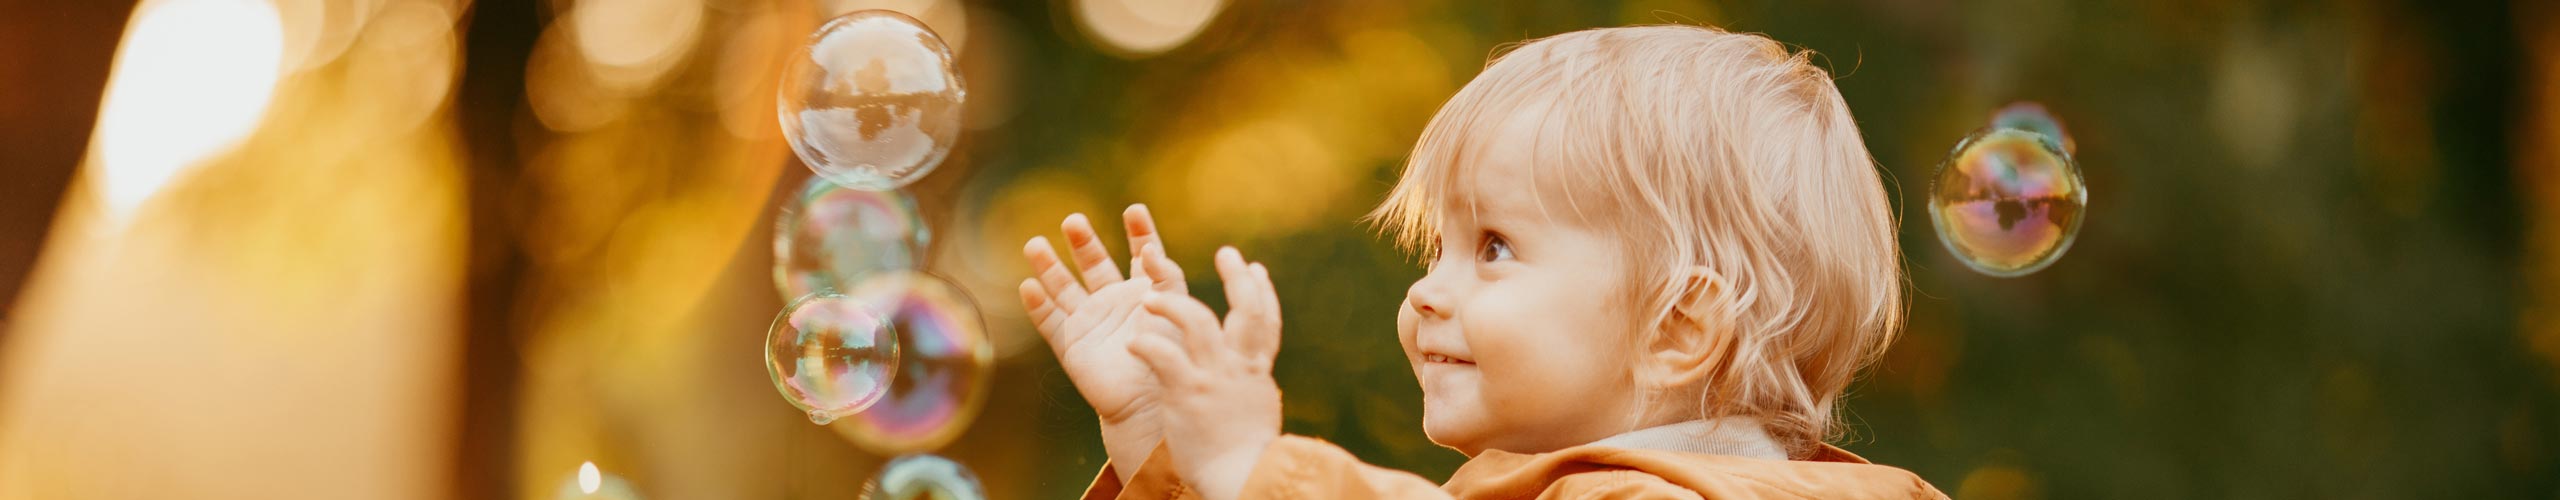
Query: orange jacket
point(1297, 467)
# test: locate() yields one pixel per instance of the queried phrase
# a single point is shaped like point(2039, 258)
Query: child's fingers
point(1242, 301)
point(1163, 357)
point(1053, 274)
point(1091, 256)
point(1232, 271)
point(1264, 342)
point(1168, 276)
point(1141, 226)
point(1043, 310)
point(1199, 325)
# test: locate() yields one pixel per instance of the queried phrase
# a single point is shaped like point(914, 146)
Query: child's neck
point(1735, 436)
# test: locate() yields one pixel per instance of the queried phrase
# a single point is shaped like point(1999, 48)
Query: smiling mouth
point(1436, 358)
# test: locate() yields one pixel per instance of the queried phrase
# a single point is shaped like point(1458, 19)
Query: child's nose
point(1428, 299)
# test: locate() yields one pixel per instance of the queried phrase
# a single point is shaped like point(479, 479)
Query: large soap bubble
point(873, 102)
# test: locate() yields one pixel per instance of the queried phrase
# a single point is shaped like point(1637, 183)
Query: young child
point(1657, 256)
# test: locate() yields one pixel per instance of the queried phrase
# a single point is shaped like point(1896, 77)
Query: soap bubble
point(873, 102)
point(591, 483)
point(2032, 117)
point(830, 355)
point(830, 237)
point(923, 476)
point(2007, 202)
point(942, 374)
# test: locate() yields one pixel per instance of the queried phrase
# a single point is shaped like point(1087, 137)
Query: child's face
point(1519, 332)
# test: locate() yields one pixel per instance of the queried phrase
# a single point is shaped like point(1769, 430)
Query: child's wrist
point(1129, 446)
point(1224, 475)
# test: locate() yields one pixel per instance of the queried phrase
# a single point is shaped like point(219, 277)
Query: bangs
point(1571, 148)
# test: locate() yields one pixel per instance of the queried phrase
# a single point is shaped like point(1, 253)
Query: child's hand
point(1221, 408)
point(1089, 327)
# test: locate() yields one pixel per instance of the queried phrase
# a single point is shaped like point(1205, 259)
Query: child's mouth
point(1436, 358)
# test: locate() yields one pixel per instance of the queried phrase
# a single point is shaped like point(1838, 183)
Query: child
point(1657, 256)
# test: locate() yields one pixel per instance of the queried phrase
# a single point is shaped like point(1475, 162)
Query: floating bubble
point(873, 102)
point(944, 363)
point(2032, 117)
point(591, 483)
point(923, 476)
point(2007, 202)
point(830, 355)
point(830, 237)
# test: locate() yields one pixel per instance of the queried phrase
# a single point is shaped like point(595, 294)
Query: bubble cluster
point(830, 237)
point(923, 476)
point(873, 102)
point(2008, 201)
point(941, 378)
point(831, 355)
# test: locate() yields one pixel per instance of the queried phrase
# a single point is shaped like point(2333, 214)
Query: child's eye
point(1496, 248)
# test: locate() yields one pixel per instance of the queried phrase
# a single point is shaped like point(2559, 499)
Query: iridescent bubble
point(923, 476)
point(830, 237)
point(2032, 117)
point(591, 483)
point(873, 102)
point(2007, 202)
point(943, 368)
point(830, 355)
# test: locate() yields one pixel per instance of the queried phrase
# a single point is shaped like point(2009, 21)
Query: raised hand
point(1220, 406)
point(1089, 325)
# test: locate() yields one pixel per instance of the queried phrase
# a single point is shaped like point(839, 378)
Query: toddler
point(1657, 255)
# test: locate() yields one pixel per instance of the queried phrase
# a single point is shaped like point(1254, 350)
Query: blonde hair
point(1715, 149)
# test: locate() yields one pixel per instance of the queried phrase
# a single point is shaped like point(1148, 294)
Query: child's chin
point(1452, 431)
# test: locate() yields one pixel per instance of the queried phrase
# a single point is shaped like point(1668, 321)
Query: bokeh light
point(592, 483)
point(874, 101)
point(193, 77)
point(2008, 202)
point(945, 360)
point(831, 355)
point(1145, 27)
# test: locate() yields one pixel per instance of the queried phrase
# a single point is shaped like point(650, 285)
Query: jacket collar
point(1732, 436)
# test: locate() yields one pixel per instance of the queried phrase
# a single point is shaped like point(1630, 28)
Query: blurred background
point(451, 249)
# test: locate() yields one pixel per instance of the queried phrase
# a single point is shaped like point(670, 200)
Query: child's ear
point(1691, 338)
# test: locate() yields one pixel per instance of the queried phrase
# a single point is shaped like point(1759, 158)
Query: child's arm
point(1221, 409)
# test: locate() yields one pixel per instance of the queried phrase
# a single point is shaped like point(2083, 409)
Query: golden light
point(191, 79)
point(1140, 28)
point(629, 44)
point(589, 478)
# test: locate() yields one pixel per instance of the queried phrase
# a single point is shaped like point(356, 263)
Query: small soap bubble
point(945, 358)
point(830, 237)
point(830, 355)
point(2032, 117)
point(923, 476)
point(2007, 202)
point(873, 102)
